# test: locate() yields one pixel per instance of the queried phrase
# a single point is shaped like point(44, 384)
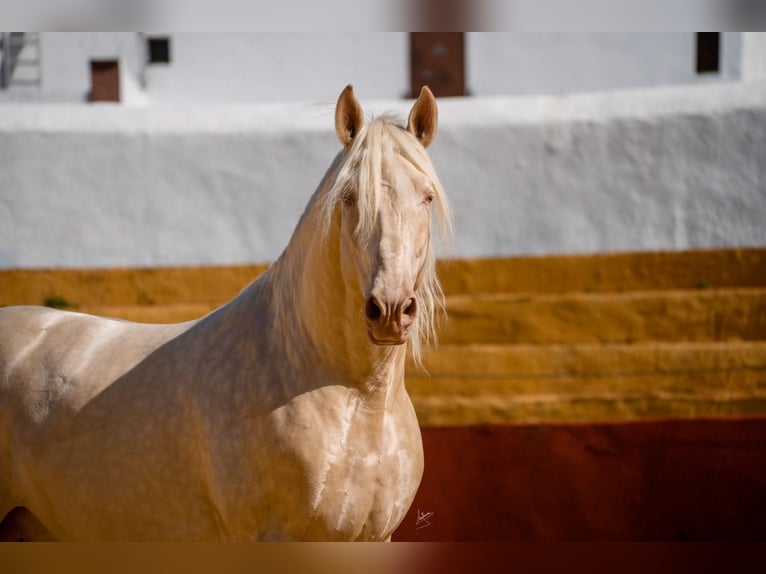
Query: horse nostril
point(410, 307)
point(372, 309)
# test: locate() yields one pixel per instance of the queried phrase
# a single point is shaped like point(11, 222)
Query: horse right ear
point(349, 117)
point(423, 117)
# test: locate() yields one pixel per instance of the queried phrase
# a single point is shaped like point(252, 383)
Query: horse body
point(281, 415)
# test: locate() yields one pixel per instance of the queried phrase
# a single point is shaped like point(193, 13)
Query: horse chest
point(364, 497)
point(351, 478)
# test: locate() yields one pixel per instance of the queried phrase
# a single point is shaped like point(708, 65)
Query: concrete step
point(488, 410)
point(698, 315)
point(601, 273)
point(507, 384)
point(91, 288)
point(607, 272)
point(472, 369)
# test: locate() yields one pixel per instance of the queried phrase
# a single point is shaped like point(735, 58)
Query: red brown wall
point(661, 481)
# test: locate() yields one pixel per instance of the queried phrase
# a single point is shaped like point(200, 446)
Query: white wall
point(300, 67)
point(753, 56)
point(537, 63)
point(266, 67)
point(654, 169)
point(668, 168)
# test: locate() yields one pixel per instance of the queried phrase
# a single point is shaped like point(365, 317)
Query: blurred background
point(548, 143)
point(602, 374)
point(174, 68)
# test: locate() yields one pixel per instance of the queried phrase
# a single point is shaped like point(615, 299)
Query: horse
point(281, 415)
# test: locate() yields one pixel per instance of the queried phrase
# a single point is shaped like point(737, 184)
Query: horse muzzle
point(389, 322)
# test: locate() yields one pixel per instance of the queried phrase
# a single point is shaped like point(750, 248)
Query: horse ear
point(349, 117)
point(423, 117)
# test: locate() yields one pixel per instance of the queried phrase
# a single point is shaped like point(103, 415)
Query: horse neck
point(317, 312)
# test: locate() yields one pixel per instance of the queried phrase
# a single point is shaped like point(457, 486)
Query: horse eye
point(429, 198)
point(349, 199)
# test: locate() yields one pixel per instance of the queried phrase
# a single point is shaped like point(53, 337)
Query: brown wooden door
point(104, 81)
point(437, 59)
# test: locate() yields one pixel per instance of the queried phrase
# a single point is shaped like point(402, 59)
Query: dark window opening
point(708, 52)
point(159, 50)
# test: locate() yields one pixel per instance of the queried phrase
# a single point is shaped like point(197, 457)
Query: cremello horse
point(280, 416)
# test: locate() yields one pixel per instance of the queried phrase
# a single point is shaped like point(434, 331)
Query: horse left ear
point(423, 117)
point(349, 117)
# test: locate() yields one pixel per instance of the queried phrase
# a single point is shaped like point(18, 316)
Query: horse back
point(42, 349)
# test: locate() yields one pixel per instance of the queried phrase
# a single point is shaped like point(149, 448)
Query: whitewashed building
point(263, 67)
point(565, 143)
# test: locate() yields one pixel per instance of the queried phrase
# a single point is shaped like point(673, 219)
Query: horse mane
point(362, 168)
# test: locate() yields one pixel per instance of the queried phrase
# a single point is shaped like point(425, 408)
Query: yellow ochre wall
point(557, 339)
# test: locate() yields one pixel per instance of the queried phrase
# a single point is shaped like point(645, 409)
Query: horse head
point(386, 191)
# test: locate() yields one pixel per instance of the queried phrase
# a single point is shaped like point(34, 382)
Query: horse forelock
point(370, 163)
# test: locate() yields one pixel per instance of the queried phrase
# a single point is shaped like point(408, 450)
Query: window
point(158, 50)
point(708, 52)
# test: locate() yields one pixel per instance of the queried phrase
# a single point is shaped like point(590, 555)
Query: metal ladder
point(20, 64)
